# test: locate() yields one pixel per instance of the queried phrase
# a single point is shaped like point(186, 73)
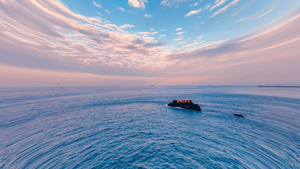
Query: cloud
point(260, 14)
point(262, 54)
point(147, 33)
point(179, 33)
point(97, 5)
point(170, 3)
point(178, 29)
point(192, 44)
point(99, 13)
point(218, 3)
point(178, 39)
point(267, 12)
point(107, 11)
point(148, 44)
point(50, 36)
point(165, 3)
point(148, 15)
point(194, 4)
point(207, 6)
point(121, 9)
point(200, 37)
point(127, 26)
point(224, 9)
point(244, 19)
point(193, 12)
point(137, 3)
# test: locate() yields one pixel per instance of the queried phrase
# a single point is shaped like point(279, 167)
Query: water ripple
point(133, 128)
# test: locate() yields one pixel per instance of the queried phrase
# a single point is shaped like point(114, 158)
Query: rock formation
point(239, 115)
point(186, 104)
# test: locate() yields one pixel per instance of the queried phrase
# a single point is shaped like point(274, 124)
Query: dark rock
point(186, 104)
point(238, 115)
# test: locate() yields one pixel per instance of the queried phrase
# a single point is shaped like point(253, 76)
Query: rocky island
point(186, 104)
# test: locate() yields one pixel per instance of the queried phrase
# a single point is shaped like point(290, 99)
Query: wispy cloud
point(127, 26)
point(200, 37)
point(217, 3)
point(97, 5)
point(178, 39)
point(121, 9)
point(192, 44)
point(224, 9)
point(178, 29)
point(148, 15)
point(261, 14)
point(268, 48)
point(267, 12)
point(193, 12)
point(179, 33)
point(207, 6)
point(99, 13)
point(170, 3)
point(244, 19)
point(137, 3)
point(194, 4)
point(154, 33)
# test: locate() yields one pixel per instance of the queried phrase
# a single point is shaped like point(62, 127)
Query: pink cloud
point(271, 54)
point(47, 35)
point(49, 30)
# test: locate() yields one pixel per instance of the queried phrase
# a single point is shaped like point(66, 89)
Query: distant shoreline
point(278, 86)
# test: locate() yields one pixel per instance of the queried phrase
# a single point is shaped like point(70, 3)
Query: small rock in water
point(238, 115)
point(186, 104)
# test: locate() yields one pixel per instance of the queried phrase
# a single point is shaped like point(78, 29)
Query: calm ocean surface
point(132, 127)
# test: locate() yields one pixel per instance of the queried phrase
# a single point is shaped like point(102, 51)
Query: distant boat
point(186, 104)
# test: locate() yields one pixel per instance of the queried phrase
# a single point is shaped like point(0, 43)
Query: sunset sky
point(145, 42)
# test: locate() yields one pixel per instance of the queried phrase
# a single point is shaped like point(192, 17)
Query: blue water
point(132, 127)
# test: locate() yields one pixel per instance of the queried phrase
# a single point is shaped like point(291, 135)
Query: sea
point(133, 127)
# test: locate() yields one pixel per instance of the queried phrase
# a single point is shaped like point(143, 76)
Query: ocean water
point(132, 127)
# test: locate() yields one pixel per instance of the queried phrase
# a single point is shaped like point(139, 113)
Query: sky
point(149, 42)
